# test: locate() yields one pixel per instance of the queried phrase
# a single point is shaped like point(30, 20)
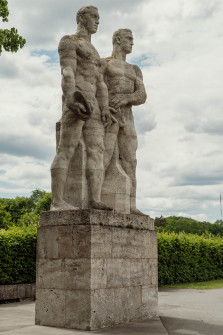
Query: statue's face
point(91, 20)
point(126, 42)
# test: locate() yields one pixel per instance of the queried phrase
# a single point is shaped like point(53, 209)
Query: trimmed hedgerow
point(182, 257)
point(18, 255)
point(189, 258)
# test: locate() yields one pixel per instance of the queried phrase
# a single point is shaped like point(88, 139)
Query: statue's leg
point(127, 142)
point(70, 134)
point(110, 140)
point(94, 134)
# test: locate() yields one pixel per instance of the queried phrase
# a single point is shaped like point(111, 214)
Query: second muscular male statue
point(125, 88)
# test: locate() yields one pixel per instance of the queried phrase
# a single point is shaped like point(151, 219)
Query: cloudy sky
point(179, 46)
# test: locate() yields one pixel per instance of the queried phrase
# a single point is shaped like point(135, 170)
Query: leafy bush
point(18, 255)
point(189, 258)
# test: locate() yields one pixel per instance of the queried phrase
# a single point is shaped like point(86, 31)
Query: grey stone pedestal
point(95, 269)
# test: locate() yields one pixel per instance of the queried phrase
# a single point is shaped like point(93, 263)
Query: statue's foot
point(136, 211)
point(100, 205)
point(62, 206)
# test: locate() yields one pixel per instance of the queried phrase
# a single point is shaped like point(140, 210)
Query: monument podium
point(95, 269)
point(96, 252)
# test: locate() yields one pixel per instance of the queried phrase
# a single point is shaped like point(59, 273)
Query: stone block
point(103, 309)
point(54, 242)
point(118, 272)
point(126, 243)
point(118, 201)
point(18, 291)
point(93, 271)
point(68, 274)
point(81, 241)
point(50, 307)
point(101, 242)
point(78, 309)
point(149, 301)
point(150, 245)
point(98, 273)
point(95, 217)
point(136, 272)
point(127, 304)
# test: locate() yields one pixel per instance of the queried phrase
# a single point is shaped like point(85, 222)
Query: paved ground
point(192, 312)
point(18, 319)
point(183, 312)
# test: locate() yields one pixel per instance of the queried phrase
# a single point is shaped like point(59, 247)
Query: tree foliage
point(10, 40)
point(179, 224)
point(24, 211)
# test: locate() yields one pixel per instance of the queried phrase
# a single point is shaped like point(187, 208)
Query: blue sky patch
point(52, 54)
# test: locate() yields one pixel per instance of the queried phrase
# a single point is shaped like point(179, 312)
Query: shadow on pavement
point(178, 326)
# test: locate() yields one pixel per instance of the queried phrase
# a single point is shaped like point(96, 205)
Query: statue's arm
point(102, 95)
point(68, 63)
point(139, 96)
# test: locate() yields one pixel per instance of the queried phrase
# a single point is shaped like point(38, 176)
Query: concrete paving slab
point(18, 318)
point(191, 312)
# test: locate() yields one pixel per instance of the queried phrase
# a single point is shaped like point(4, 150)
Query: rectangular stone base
point(95, 269)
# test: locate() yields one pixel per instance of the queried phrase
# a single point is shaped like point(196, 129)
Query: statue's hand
point(79, 110)
point(107, 118)
point(119, 100)
point(113, 111)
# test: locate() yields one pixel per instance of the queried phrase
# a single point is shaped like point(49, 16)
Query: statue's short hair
point(119, 32)
point(84, 10)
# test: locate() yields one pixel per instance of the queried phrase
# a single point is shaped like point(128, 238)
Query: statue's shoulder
point(104, 63)
point(67, 43)
point(137, 70)
point(109, 59)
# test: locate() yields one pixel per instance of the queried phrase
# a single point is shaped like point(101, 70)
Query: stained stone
point(105, 274)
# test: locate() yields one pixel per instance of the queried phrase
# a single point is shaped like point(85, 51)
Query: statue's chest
point(86, 53)
point(121, 69)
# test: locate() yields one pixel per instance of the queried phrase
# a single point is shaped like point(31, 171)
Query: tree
point(5, 217)
point(10, 40)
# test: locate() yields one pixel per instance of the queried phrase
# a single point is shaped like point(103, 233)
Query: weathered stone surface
point(149, 301)
point(126, 89)
point(91, 275)
point(18, 291)
point(77, 171)
point(95, 162)
point(50, 307)
point(96, 217)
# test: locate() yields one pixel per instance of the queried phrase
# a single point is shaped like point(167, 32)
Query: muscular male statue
point(84, 110)
point(125, 88)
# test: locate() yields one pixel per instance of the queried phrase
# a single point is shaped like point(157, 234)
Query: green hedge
point(182, 257)
point(18, 255)
point(189, 258)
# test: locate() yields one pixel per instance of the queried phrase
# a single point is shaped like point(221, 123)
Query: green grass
point(205, 285)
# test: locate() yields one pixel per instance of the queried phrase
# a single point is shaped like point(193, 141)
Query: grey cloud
point(212, 127)
point(199, 178)
point(8, 69)
point(35, 18)
point(144, 124)
point(203, 116)
point(24, 145)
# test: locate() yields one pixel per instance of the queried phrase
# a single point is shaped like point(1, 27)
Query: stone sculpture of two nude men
point(98, 95)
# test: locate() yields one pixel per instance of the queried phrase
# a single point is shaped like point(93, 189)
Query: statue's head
point(88, 17)
point(123, 38)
